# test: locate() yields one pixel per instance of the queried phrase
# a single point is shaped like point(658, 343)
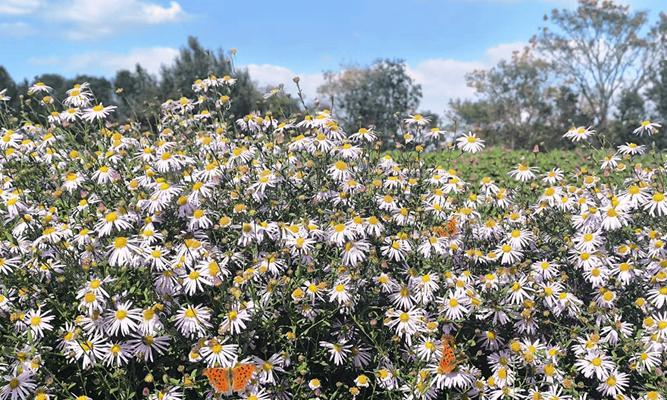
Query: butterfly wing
point(219, 379)
point(241, 375)
point(448, 230)
point(448, 361)
point(451, 227)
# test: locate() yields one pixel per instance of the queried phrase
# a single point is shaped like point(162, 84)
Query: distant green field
point(496, 162)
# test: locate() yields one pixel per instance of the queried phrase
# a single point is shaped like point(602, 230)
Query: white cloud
point(503, 51)
point(16, 29)
point(90, 19)
point(86, 19)
point(442, 79)
point(150, 58)
point(156, 14)
point(108, 63)
point(18, 7)
point(274, 75)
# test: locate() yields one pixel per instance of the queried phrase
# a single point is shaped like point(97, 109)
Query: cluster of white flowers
point(132, 259)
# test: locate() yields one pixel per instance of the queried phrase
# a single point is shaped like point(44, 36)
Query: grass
point(496, 162)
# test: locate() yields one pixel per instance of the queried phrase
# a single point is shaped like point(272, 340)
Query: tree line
point(601, 65)
point(138, 93)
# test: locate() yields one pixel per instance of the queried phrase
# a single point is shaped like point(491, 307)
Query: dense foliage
point(376, 96)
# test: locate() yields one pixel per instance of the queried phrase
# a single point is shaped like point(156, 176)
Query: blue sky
point(440, 40)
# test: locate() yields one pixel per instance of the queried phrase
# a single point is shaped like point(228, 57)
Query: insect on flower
point(447, 230)
point(448, 361)
point(229, 380)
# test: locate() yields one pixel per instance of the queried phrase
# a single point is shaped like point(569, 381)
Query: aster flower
point(124, 319)
point(18, 386)
point(39, 321)
point(338, 352)
point(631, 149)
point(235, 320)
point(39, 87)
point(470, 143)
point(595, 364)
point(523, 173)
point(656, 204)
point(97, 112)
point(417, 119)
point(193, 321)
point(406, 323)
point(647, 127)
point(144, 345)
point(579, 134)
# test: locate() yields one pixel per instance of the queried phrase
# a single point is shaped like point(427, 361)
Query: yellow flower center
point(89, 297)
point(120, 242)
point(341, 165)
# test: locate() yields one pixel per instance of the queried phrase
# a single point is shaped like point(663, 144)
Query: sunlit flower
point(470, 143)
point(579, 133)
point(97, 112)
point(647, 127)
point(18, 386)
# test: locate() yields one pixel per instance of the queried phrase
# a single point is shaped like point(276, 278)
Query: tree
point(657, 93)
point(601, 49)
point(6, 82)
point(518, 105)
point(137, 91)
point(279, 103)
point(193, 62)
point(630, 112)
point(379, 95)
point(566, 111)
point(100, 86)
point(57, 82)
point(434, 118)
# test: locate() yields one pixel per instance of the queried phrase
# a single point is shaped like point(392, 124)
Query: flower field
point(280, 257)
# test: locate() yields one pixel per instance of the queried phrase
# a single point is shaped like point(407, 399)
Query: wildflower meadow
point(275, 256)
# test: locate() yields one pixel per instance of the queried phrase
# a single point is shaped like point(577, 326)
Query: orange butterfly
point(448, 361)
point(447, 231)
point(228, 380)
